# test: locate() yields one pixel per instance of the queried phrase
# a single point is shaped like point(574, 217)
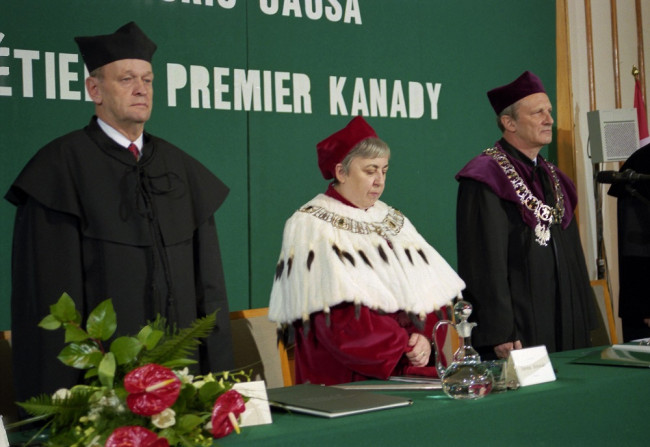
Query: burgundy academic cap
point(333, 149)
point(526, 84)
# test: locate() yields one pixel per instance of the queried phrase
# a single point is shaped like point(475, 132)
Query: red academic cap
point(128, 42)
point(526, 84)
point(333, 149)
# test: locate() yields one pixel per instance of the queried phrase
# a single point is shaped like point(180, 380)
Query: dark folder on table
point(331, 402)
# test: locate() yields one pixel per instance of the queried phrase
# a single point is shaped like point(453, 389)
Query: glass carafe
point(466, 377)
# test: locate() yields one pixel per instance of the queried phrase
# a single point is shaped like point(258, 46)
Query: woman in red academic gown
point(359, 284)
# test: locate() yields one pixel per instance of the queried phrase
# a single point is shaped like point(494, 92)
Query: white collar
point(120, 139)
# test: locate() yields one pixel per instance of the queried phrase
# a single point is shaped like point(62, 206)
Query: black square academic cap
point(128, 42)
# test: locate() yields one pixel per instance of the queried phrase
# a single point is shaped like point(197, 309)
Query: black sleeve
point(46, 262)
point(217, 352)
point(482, 241)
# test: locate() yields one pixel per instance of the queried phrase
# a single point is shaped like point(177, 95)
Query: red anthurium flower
point(152, 388)
point(135, 436)
point(224, 414)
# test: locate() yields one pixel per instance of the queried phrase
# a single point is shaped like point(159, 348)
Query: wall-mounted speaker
point(613, 134)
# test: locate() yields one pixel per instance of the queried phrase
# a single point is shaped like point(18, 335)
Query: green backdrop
point(250, 87)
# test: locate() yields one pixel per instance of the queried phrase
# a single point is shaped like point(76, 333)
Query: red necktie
point(134, 150)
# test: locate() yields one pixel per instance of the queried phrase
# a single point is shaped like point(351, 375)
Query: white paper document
point(532, 365)
point(635, 348)
point(257, 410)
point(4, 442)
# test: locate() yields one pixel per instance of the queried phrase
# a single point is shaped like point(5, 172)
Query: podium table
point(587, 405)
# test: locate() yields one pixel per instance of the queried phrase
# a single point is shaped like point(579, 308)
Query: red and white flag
point(639, 105)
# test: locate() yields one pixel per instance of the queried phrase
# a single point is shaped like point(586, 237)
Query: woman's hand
point(421, 350)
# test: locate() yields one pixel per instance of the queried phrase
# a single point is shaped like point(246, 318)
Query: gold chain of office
point(390, 225)
point(545, 215)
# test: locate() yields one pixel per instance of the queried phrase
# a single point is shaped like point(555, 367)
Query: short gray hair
point(511, 110)
point(97, 73)
point(367, 148)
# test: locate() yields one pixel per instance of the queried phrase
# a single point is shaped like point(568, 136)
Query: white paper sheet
point(532, 365)
point(257, 410)
point(4, 442)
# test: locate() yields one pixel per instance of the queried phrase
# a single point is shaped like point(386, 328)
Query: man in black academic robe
point(98, 222)
point(519, 249)
point(633, 212)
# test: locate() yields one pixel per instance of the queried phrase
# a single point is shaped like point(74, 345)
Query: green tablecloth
point(587, 405)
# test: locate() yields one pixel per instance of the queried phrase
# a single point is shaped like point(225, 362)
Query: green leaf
point(126, 349)
point(80, 355)
point(92, 372)
point(50, 323)
point(67, 411)
point(173, 437)
point(74, 333)
point(144, 333)
point(40, 405)
point(188, 422)
point(102, 321)
point(209, 392)
point(150, 337)
point(184, 343)
point(64, 310)
point(185, 397)
point(179, 363)
point(107, 370)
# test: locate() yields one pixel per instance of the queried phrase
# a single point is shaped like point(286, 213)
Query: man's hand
point(503, 350)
